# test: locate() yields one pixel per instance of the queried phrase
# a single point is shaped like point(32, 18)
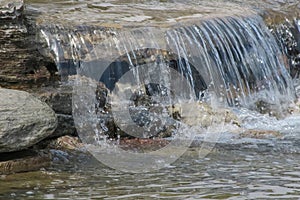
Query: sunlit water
point(226, 173)
point(237, 168)
point(159, 12)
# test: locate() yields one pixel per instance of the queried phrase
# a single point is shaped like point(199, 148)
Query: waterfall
point(239, 56)
point(235, 57)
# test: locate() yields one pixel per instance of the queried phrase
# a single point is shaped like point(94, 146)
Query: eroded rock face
point(24, 120)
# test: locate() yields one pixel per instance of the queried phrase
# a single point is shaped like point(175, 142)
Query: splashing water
point(139, 81)
point(236, 57)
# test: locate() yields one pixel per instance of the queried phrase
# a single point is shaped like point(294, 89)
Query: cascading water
point(240, 57)
point(142, 81)
point(236, 57)
point(130, 82)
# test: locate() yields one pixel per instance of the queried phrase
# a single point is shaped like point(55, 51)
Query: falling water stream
point(218, 53)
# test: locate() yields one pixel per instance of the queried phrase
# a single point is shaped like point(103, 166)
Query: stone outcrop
point(24, 120)
point(21, 64)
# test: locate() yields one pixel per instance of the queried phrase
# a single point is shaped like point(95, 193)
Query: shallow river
point(237, 168)
point(223, 174)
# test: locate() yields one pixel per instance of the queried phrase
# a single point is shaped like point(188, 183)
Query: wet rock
point(146, 114)
point(63, 149)
point(264, 107)
point(143, 113)
point(24, 161)
point(143, 145)
point(287, 33)
point(202, 114)
point(294, 108)
point(65, 126)
point(22, 66)
point(11, 9)
point(60, 156)
point(277, 110)
point(260, 134)
point(58, 98)
point(144, 117)
point(24, 120)
point(66, 143)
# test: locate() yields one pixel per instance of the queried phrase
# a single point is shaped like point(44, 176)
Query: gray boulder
point(24, 120)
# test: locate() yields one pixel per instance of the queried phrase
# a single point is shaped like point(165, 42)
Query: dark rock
point(58, 98)
point(65, 126)
point(24, 161)
point(21, 63)
point(146, 116)
point(11, 9)
point(287, 34)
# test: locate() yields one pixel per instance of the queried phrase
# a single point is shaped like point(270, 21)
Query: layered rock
point(24, 120)
point(11, 9)
point(21, 64)
point(24, 161)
